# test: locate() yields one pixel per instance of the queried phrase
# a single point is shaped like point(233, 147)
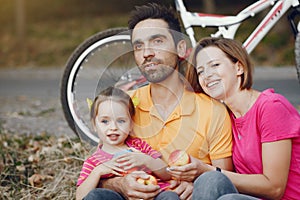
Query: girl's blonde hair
point(114, 94)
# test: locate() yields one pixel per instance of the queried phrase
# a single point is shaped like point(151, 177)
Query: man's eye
point(138, 46)
point(157, 41)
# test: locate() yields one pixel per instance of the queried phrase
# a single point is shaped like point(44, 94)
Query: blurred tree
point(20, 20)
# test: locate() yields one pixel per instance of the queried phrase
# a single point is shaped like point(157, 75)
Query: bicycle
point(106, 58)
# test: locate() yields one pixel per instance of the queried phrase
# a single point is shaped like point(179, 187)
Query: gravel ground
point(26, 112)
point(28, 115)
point(29, 112)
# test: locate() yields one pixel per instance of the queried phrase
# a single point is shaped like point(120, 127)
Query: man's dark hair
point(156, 11)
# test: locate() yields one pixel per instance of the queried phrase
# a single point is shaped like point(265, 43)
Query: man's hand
point(131, 189)
point(183, 189)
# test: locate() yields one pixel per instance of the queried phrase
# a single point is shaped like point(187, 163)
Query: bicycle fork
point(292, 19)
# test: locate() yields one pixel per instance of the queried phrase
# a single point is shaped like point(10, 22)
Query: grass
point(39, 166)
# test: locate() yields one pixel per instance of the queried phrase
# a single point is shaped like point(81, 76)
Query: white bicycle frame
point(228, 25)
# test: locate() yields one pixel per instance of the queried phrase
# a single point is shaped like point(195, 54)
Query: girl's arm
point(138, 159)
point(94, 177)
point(158, 167)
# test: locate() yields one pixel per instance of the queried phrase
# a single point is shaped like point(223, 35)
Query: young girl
point(266, 127)
point(111, 116)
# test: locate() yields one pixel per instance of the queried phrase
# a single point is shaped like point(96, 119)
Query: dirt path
point(29, 97)
point(26, 109)
point(27, 115)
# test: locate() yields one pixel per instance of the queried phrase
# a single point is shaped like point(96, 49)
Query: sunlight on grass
point(39, 166)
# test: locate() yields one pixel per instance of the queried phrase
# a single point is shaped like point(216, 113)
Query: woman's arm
point(271, 184)
point(223, 163)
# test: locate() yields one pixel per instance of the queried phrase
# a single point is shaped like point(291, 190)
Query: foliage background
point(53, 29)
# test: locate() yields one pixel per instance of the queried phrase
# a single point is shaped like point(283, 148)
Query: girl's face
point(113, 122)
point(217, 74)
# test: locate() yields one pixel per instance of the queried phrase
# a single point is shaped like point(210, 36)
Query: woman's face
point(113, 122)
point(217, 74)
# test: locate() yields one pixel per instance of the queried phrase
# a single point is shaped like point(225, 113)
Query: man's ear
point(181, 48)
point(239, 68)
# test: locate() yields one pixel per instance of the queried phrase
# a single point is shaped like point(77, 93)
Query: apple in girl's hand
point(178, 158)
point(150, 181)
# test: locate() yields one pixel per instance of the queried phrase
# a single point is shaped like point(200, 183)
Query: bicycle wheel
point(104, 59)
point(297, 55)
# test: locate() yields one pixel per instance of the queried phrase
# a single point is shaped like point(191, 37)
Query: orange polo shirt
point(199, 125)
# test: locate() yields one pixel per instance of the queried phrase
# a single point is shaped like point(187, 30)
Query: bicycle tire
point(297, 55)
point(102, 60)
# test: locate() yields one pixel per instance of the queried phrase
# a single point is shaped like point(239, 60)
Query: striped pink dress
point(100, 157)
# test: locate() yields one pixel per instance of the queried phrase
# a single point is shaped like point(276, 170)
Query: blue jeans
point(106, 194)
point(215, 185)
point(102, 193)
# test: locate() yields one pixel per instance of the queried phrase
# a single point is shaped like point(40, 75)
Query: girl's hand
point(132, 159)
point(110, 167)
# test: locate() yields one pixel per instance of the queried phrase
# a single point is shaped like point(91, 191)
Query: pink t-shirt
point(100, 157)
point(271, 118)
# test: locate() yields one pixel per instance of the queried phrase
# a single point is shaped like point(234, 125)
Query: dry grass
point(39, 167)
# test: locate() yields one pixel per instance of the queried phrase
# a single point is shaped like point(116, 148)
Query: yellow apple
point(150, 181)
point(178, 158)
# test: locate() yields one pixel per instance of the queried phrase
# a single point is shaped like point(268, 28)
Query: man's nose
point(148, 52)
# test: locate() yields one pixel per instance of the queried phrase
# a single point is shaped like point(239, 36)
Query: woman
point(266, 127)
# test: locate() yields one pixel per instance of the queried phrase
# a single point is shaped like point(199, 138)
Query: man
point(168, 116)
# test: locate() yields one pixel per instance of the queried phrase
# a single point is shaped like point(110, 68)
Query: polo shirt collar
point(187, 103)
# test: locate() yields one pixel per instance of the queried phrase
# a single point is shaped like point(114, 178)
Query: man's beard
point(158, 74)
